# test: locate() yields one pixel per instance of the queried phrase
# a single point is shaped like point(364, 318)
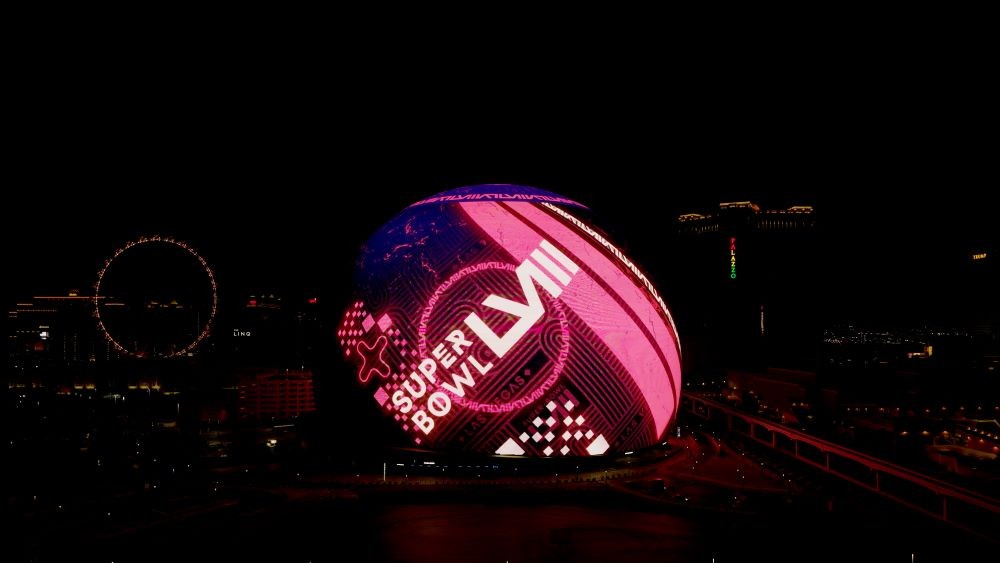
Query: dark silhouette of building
point(277, 394)
point(751, 282)
point(49, 335)
point(267, 330)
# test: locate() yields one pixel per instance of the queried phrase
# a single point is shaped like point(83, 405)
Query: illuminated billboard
point(493, 319)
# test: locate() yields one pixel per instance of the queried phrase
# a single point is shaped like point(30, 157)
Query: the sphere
point(492, 319)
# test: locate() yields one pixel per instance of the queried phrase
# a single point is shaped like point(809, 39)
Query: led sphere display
point(493, 319)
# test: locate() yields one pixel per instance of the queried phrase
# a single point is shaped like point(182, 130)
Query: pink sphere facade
point(492, 319)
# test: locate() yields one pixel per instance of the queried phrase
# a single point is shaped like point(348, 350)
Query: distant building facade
point(747, 216)
point(53, 332)
point(277, 394)
point(751, 274)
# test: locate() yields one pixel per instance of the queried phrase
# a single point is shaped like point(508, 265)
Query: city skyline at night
point(812, 378)
point(905, 250)
point(746, 311)
point(871, 332)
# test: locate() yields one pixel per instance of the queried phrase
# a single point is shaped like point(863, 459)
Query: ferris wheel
point(200, 315)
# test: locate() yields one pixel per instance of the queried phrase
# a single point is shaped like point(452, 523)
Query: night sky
point(901, 197)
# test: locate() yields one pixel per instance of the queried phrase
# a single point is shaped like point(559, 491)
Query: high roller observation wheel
point(206, 329)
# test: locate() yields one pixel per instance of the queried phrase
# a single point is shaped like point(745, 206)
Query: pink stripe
point(583, 249)
point(589, 300)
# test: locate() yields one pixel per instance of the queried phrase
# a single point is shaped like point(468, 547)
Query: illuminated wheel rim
point(204, 330)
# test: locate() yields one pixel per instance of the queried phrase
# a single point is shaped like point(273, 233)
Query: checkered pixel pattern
point(561, 427)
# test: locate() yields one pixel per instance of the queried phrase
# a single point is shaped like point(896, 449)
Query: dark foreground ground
point(477, 524)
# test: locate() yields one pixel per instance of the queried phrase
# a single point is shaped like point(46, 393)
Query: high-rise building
point(750, 280)
point(981, 304)
point(54, 332)
point(277, 394)
point(267, 330)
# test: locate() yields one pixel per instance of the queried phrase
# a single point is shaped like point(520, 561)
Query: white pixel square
point(598, 446)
